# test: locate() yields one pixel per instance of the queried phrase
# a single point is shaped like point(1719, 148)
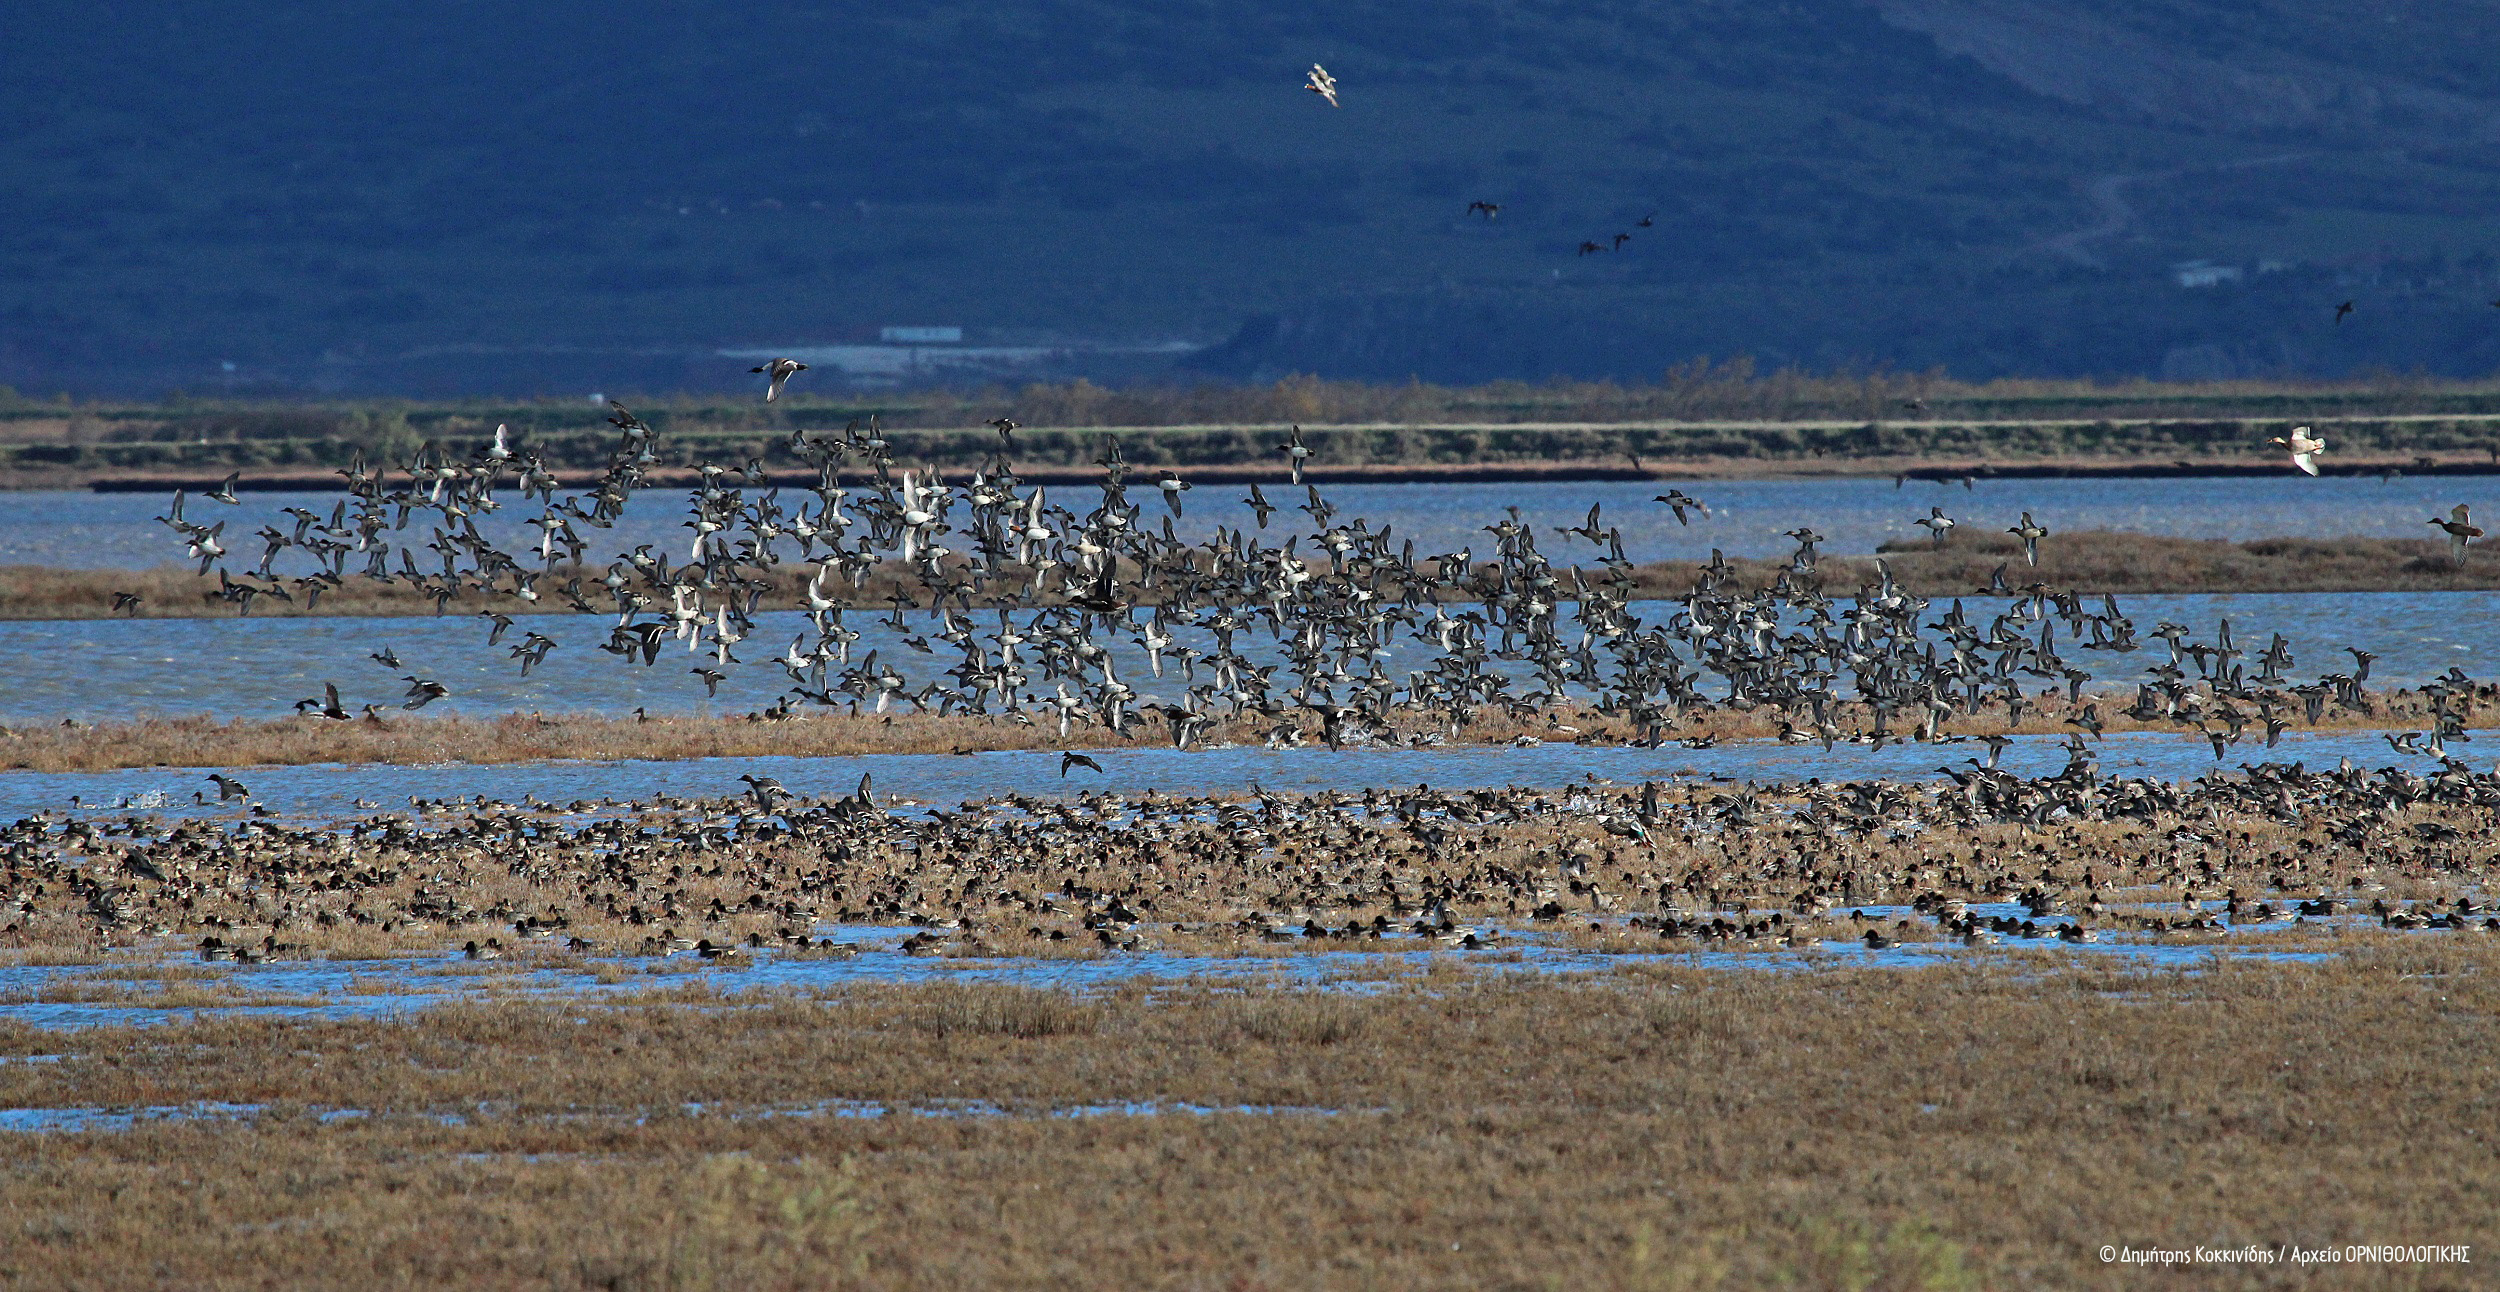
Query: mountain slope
point(562, 196)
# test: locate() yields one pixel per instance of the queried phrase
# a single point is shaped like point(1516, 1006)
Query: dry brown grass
point(522, 737)
point(179, 592)
point(1943, 1129)
point(2101, 561)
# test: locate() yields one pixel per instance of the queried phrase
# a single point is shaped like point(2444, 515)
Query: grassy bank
point(1942, 1129)
point(2088, 562)
point(411, 739)
point(1706, 420)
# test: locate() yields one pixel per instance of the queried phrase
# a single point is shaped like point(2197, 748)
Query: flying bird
point(1677, 503)
point(1171, 487)
point(2461, 530)
point(328, 706)
point(1938, 524)
point(2030, 532)
point(1296, 452)
point(1489, 209)
point(1258, 502)
point(2342, 310)
point(1322, 84)
point(779, 371)
point(2303, 448)
point(1071, 758)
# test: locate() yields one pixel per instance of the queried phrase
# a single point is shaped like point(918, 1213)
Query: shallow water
point(1748, 517)
point(104, 669)
point(420, 982)
point(334, 791)
point(74, 1120)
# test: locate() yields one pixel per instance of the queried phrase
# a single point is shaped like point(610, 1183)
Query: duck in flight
point(1677, 502)
point(1296, 452)
point(2303, 448)
point(2461, 530)
point(2342, 310)
point(778, 372)
point(1488, 209)
point(2030, 532)
point(328, 707)
point(1319, 82)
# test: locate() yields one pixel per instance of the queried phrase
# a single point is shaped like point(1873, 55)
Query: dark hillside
point(557, 197)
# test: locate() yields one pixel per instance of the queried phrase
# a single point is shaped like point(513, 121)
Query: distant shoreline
point(307, 449)
point(313, 481)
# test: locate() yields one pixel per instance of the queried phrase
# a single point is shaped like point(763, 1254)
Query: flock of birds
point(1036, 600)
point(1988, 856)
point(1320, 82)
point(1058, 611)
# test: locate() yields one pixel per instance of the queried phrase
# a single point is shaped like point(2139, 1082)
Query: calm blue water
point(115, 531)
point(99, 669)
point(880, 961)
point(334, 791)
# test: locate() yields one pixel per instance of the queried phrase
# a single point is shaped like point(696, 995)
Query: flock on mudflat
point(1089, 607)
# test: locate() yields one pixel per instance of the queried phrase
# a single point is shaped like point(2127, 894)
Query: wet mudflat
point(338, 792)
point(76, 997)
point(1933, 1015)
